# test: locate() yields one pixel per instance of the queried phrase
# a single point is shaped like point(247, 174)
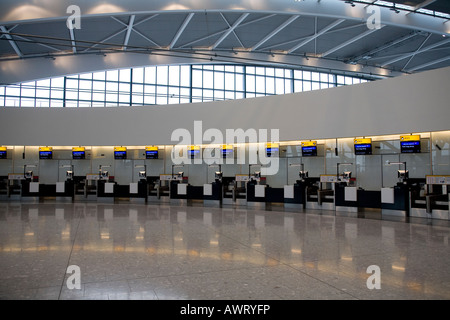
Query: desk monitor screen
point(309, 149)
point(410, 144)
point(45, 153)
point(151, 152)
point(120, 153)
point(272, 149)
point(3, 153)
point(78, 153)
point(363, 146)
point(227, 151)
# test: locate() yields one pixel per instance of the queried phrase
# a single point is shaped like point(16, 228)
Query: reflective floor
point(127, 251)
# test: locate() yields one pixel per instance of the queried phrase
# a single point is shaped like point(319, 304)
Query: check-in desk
point(212, 194)
point(14, 187)
point(30, 190)
point(295, 195)
point(65, 191)
point(433, 200)
point(237, 189)
point(159, 190)
point(257, 193)
point(395, 201)
point(106, 190)
point(86, 189)
point(3, 188)
point(322, 197)
point(179, 190)
point(353, 199)
point(138, 191)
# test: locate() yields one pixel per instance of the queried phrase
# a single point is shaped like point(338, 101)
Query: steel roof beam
point(429, 64)
point(348, 42)
point(230, 29)
point(129, 29)
point(11, 41)
point(181, 30)
point(274, 32)
point(316, 35)
point(409, 54)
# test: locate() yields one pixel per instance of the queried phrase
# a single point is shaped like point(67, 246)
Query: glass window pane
point(71, 84)
point(98, 96)
point(150, 99)
point(298, 86)
point(208, 67)
point(84, 104)
point(197, 95)
point(138, 75)
point(323, 85)
point(85, 85)
point(99, 75)
point(86, 76)
point(279, 86)
point(124, 98)
point(250, 82)
point(2, 91)
point(279, 72)
point(250, 70)
point(162, 72)
point(229, 68)
point(112, 75)
point(12, 102)
point(260, 84)
point(73, 95)
point(125, 75)
point(219, 80)
point(219, 95)
point(239, 82)
point(149, 90)
point(208, 79)
point(288, 73)
point(197, 78)
point(124, 88)
point(260, 71)
point(185, 94)
point(306, 75)
point(111, 97)
point(27, 91)
point(98, 104)
point(26, 102)
point(229, 81)
point(43, 83)
point(42, 103)
point(138, 88)
point(84, 95)
point(174, 95)
point(239, 69)
point(56, 103)
point(219, 68)
point(57, 94)
point(287, 86)
point(315, 86)
point(98, 85)
point(112, 87)
point(324, 77)
point(341, 79)
point(161, 95)
point(58, 82)
point(270, 85)
point(174, 75)
point(71, 104)
point(138, 99)
point(229, 95)
point(315, 76)
point(306, 86)
point(298, 74)
point(250, 95)
point(270, 72)
point(185, 76)
point(208, 95)
point(14, 91)
point(42, 93)
point(348, 80)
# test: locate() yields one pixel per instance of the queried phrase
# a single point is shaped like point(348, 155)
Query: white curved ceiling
point(327, 34)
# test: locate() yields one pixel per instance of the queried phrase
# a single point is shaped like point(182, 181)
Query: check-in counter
point(322, 197)
point(295, 195)
point(395, 201)
point(159, 189)
point(256, 194)
point(237, 189)
point(433, 200)
point(212, 194)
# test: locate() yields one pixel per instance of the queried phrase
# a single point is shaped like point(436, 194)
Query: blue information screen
point(363, 149)
point(44, 155)
point(3, 155)
point(78, 155)
point(151, 154)
point(410, 146)
point(309, 151)
point(120, 155)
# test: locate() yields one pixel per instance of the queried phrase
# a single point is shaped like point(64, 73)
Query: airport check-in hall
point(216, 150)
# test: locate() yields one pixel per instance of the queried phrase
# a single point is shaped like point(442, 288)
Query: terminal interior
point(294, 183)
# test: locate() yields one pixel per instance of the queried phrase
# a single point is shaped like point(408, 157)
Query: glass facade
point(162, 85)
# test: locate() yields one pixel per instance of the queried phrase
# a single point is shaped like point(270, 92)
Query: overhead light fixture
point(395, 9)
point(350, 3)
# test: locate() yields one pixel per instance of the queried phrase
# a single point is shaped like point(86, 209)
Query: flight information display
point(363, 146)
point(227, 151)
point(410, 144)
point(309, 149)
point(45, 153)
point(78, 153)
point(3, 153)
point(272, 149)
point(120, 153)
point(151, 152)
point(193, 151)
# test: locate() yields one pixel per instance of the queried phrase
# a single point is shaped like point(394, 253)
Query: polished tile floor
point(131, 251)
